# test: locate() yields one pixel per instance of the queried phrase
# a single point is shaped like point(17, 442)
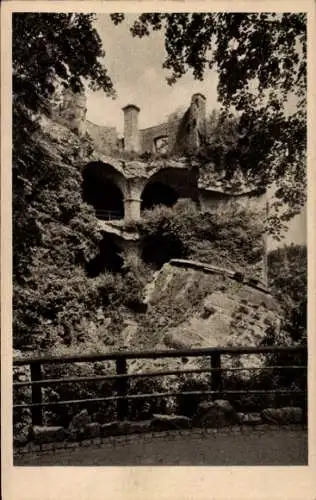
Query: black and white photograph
point(159, 238)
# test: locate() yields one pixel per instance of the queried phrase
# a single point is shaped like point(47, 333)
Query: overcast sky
point(135, 67)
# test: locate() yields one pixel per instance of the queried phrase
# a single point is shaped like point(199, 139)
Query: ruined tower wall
point(197, 122)
point(104, 138)
point(148, 137)
point(213, 200)
point(71, 111)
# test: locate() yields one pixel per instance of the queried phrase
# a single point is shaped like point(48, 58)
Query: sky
point(135, 67)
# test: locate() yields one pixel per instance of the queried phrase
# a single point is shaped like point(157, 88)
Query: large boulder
point(92, 430)
point(168, 422)
point(47, 434)
point(81, 419)
point(117, 428)
point(219, 413)
point(253, 418)
point(21, 434)
point(78, 425)
point(283, 416)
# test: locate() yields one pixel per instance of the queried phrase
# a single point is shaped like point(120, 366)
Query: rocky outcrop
point(226, 308)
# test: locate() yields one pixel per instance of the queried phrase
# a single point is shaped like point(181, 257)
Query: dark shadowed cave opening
point(108, 259)
point(158, 193)
point(160, 249)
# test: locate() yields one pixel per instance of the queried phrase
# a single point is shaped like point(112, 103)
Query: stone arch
point(104, 188)
point(158, 193)
point(168, 185)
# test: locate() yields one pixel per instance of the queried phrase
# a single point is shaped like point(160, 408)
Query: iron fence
point(109, 214)
point(122, 378)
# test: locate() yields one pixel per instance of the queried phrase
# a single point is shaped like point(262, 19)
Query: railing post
point(216, 375)
point(122, 389)
point(37, 413)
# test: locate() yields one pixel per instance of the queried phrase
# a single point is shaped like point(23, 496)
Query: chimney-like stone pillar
point(197, 131)
point(131, 132)
point(132, 200)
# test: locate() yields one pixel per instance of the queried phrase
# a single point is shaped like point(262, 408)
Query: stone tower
point(197, 122)
point(131, 132)
point(73, 110)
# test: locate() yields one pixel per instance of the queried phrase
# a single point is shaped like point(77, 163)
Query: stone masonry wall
point(214, 200)
point(148, 136)
point(104, 138)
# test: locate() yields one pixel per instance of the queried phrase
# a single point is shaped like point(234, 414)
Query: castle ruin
point(149, 167)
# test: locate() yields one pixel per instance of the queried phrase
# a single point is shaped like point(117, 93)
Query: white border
point(163, 483)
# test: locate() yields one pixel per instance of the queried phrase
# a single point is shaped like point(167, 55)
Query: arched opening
point(168, 185)
point(157, 193)
point(101, 189)
point(108, 259)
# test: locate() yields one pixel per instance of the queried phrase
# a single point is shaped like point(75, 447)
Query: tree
point(54, 232)
point(261, 63)
point(49, 50)
point(288, 279)
point(46, 46)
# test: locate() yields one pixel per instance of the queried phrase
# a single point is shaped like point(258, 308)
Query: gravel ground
point(226, 447)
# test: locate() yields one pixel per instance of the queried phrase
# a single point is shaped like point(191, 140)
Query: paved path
point(221, 447)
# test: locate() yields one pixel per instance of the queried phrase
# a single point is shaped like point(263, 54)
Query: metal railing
point(122, 377)
point(109, 214)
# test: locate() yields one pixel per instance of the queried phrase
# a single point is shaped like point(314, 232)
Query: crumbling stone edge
point(216, 416)
point(209, 268)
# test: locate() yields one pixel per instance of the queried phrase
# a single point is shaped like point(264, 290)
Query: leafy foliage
point(288, 279)
point(230, 239)
point(54, 232)
point(48, 50)
point(46, 46)
point(260, 59)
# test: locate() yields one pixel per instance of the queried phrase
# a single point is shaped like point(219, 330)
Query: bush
point(288, 280)
point(232, 238)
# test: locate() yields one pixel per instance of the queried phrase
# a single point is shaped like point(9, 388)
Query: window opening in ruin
point(161, 144)
point(157, 193)
point(108, 259)
point(105, 196)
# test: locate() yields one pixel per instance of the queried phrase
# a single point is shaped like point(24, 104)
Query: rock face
point(225, 308)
